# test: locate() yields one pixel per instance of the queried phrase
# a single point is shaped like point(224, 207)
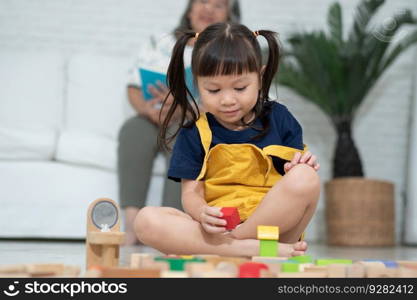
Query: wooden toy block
point(217, 259)
point(106, 238)
point(160, 265)
point(381, 272)
point(289, 267)
point(407, 264)
point(217, 274)
point(136, 259)
point(174, 274)
point(198, 269)
point(329, 261)
point(103, 233)
point(177, 263)
point(269, 260)
point(227, 267)
point(251, 269)
point(355, 270)
point(38, 270)
point(116, 272)
point(268, 248)
point(231, 215)
point(387, 263)
point(14, 275)
point(273, 263)
point(302, 267)
point(71, 271)
point(302, 259)
point(316, 269)
point(268, 233)
point(302, 275)
point(404, 272)
point(7, 269)
point(336, 271)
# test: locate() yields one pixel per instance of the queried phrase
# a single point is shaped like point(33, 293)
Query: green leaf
point(364, 13)
point(335, 23)
point(409, 40)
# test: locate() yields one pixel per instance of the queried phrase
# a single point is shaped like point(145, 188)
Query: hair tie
point(256, 33)
point(196, 35)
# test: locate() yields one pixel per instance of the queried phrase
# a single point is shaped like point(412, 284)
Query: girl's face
point(230, 97)
point(206, 12)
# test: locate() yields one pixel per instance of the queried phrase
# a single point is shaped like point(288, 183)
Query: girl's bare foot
point(288, 250)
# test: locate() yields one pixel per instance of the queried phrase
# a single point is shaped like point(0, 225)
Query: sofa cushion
point(31, 103)
point(27, 144)
point(97, 100)
point(88, 149)
point(31, 93)
point(49, 199)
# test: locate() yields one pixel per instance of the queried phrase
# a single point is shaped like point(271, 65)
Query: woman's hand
point(160, 93)
point(210, 219)
point(307, 158)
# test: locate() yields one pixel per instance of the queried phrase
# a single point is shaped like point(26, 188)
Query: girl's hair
point(185, 25)
point(221, 49)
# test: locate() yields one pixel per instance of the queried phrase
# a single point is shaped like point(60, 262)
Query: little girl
point(245, 151)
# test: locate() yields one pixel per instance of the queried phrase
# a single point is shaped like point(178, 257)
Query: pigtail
point(272, 63)
point(178, 89)
point(263, 106)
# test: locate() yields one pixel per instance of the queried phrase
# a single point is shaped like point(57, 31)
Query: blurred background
point(63, 73)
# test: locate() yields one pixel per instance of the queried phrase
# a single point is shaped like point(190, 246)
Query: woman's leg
point(136, 153)
point(172, 190)
point(290, 204)
point(174, 232)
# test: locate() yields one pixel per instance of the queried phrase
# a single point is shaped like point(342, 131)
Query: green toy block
point(289, 267)
point(325, 262)
point(177, 263)
point(268, 248)
point(302, 259)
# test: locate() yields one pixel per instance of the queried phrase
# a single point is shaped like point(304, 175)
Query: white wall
point(120, 26)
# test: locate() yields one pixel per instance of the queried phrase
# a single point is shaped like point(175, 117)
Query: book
point(151, 78)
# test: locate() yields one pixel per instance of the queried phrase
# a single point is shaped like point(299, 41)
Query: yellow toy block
point(268, 233)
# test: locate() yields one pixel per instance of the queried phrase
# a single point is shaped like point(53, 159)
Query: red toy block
point(231, 215)
point(251, 269)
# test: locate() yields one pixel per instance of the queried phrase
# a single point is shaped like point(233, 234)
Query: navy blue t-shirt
point(188, 153)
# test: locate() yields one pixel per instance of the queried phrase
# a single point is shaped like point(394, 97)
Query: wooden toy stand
point(103, 233)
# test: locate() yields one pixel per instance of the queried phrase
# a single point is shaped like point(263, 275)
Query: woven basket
point(360, 212)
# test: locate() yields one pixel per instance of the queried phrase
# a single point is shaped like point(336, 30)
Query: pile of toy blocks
point(267, 264)
point(39, 270)
point(213, 266)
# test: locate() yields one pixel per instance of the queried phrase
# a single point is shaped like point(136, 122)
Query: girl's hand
point(210, 220)
point(307, 158)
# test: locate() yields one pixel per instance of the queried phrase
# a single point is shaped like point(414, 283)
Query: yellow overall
point(238, 175)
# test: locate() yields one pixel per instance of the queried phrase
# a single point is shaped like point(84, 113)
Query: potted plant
point(336, 74)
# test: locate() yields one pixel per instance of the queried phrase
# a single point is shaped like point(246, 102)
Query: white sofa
point(59, 121)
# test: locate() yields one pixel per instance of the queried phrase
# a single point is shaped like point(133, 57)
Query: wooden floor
point(73, 253)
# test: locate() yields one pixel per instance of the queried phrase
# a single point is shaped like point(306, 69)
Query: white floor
point(73, 253)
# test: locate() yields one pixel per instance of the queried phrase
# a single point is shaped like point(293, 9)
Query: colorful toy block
point(302, 259)
point(268, 240)
point(251, 270)
point(268, 233)
point(231, 215)
point(289, 266)
point(268, 248)
point(177, 263)
point(116, 272)
point(329, 261)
